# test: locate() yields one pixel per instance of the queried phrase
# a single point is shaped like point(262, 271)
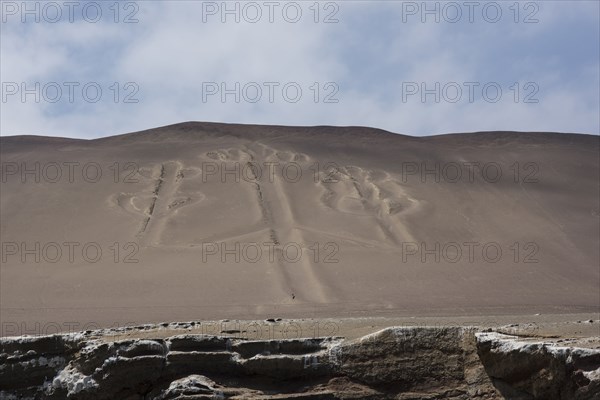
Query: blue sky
point(359, 66)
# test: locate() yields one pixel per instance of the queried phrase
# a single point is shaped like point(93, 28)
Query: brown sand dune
point(203, 220)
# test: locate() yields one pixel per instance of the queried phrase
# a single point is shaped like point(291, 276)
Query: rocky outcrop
point(395, 363)
point(536, 370)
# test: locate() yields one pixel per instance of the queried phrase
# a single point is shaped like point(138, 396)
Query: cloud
point(177, 50)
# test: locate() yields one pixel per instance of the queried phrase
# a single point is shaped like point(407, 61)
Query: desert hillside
point(203, 220)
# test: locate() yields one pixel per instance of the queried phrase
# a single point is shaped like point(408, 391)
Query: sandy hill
point(203, 220)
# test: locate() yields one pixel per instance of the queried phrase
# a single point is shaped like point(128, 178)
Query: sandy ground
point(203, 221)
point(566, 328)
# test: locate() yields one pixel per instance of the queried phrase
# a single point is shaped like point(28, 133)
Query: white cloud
point(369, 54)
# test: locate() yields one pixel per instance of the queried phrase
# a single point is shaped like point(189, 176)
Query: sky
point(90, 69)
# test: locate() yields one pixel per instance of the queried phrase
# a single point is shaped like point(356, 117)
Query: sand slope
point(213, 216)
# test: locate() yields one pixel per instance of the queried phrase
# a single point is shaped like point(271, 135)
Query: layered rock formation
point(535, 370)
point(394, 363)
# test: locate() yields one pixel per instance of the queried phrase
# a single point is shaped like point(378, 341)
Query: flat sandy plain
point(204, 221)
